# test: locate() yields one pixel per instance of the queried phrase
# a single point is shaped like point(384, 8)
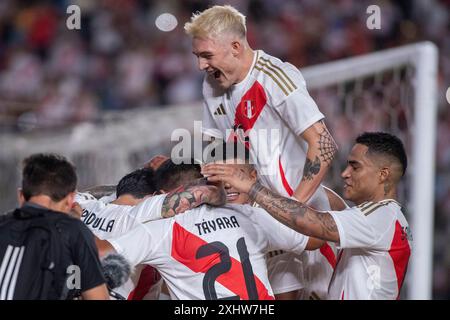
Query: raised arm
point(321, 151)
point(292, 213)
point(192, 195)
point(295, 215)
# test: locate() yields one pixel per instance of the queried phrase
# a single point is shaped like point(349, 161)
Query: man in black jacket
point(45, 253)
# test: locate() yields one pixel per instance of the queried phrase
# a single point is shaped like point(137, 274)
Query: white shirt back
point(211, 253)
point(375, 246)
point(107, 220)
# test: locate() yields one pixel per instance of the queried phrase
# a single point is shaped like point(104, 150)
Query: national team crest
point(249, 108)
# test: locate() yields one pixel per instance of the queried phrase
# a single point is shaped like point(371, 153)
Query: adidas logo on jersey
point(220, 111)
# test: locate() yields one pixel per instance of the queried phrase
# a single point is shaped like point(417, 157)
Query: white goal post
point(392, 90)
point(423, 57)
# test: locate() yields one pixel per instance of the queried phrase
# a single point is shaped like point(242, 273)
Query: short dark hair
point(385, 144)
point(170, 175)
point(48, 174)
point(138, 183)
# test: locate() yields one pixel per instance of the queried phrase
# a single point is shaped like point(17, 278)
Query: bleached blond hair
point(216, 21)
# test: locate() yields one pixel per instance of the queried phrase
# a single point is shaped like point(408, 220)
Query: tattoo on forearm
point(195, 194)
point(283, 209)
point(311, 169)
point(101, 191)
point(327, 146)
point(295, 214)
point(325, 220)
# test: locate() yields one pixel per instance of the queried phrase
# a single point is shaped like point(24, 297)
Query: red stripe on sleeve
point(147, 279)
point(400, 253)
point(328, 253)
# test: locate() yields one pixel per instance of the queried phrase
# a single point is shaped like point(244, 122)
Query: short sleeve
point(141, 244)
point(149, 209)
point(355, 230)
point(299, 110)
point(279, 236)
point(85, 256)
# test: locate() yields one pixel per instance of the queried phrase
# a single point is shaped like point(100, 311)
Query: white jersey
point(267, 111)
point(375, 246)
point(272, 99)
point(108, 198)
point(309, 272)
point(108, 220)
point(211, 253)
point(318, 267)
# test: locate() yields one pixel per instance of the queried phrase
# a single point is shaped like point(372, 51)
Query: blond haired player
point(262, 101)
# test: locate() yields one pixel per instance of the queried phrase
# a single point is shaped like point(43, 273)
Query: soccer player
point(209, 252)
point(254, 97)
point(373, 237)
point(133, 206)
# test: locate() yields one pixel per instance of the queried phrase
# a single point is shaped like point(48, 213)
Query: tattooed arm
point(296, 215)
point(292, 213)
point(321, 151)
point(192, 195)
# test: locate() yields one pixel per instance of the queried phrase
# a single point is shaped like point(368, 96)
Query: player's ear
point(69, 200)
point(253, 173)
point(384, 174)
point(236, 47)
point(20, 197)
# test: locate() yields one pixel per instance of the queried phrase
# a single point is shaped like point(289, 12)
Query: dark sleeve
point(85, 255)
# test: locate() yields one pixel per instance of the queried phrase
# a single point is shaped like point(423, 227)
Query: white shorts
point(285, 271)
point(317, 274)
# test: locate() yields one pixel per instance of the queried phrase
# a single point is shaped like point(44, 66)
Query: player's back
point(213, 253)
point(108, 220)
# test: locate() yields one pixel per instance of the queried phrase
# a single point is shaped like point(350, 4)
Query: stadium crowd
point(51, 76)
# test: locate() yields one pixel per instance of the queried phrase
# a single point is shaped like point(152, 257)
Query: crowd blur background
point(52, 77)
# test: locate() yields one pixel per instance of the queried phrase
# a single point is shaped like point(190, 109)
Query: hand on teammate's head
point(235, 176)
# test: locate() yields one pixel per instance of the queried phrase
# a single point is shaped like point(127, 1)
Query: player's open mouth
point(232, 196)
point(217, 74)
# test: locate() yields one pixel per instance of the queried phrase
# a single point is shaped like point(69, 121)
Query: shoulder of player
point(370, 207)
point(150, 201)
point(281, 78)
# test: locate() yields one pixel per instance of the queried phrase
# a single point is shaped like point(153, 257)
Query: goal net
point(392, 90)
